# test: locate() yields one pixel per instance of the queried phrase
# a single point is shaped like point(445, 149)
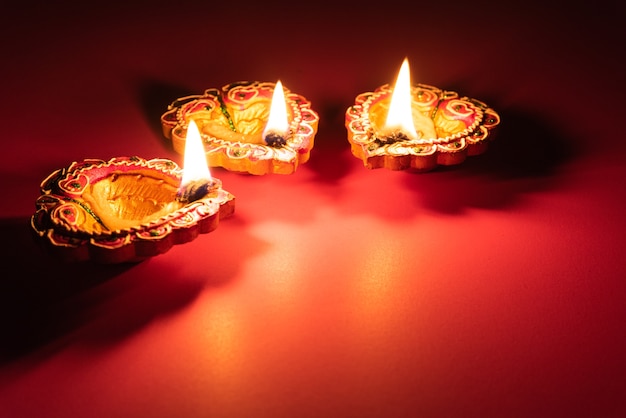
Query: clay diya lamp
point(125, 209)
point(417, 126)
point(249, 127)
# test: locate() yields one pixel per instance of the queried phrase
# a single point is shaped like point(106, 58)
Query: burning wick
point(390, 138)
point(275, 140)
point(195, 190)
point(197, 181)
point(275, 132)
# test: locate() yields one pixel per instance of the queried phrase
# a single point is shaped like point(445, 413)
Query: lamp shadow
point(33, 285)
point(154, 97)
point(525, 156)
point(527, 145)
point(46, 303)
point(330, 157)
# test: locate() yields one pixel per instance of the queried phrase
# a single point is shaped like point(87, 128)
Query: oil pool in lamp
point(128, 209)
point(249, 126)
point(417, 126)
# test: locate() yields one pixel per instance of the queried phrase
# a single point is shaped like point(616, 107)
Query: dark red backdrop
point(491, 289)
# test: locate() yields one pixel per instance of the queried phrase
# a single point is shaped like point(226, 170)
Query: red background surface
point(490, 289)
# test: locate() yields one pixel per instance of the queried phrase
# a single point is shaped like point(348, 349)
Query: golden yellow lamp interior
point(123, 200)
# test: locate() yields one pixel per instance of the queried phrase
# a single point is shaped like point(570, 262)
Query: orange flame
point(195, 167)
point(400, 116)
point(277, 122)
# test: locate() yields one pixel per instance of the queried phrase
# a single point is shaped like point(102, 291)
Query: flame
point(277, 122)
point(400, 116)
point(195, 167)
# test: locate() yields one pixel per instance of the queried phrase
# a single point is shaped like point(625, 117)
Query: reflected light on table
point(219, 343)
point(375, 284)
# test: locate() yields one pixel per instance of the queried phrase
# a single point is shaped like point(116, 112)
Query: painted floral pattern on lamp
point(232, 120)
point(449, 128)
point(122, 210)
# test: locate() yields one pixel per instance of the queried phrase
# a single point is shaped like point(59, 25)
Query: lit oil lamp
point(250, 127)
point(128, 209)
point(416, 126)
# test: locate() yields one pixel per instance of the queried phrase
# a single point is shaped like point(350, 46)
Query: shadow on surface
point(331, 157)
point(34, 284)
point(45, 302)
point(525, 156)
point(154, 97)
point(526, 145)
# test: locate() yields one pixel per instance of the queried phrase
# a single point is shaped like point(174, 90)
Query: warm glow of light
point(195, 166)
point(277, 122)
point(400, 116)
